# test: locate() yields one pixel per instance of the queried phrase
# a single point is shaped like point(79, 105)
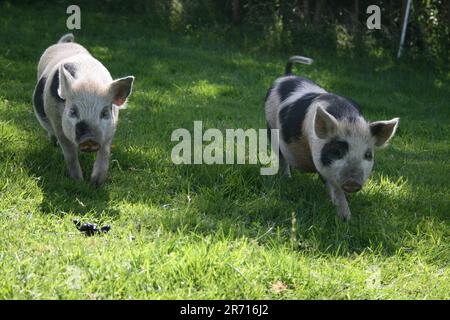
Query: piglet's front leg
point(101, 165)
point(70, 153)
point(338, 198)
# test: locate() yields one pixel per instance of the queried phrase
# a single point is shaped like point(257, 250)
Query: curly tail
point(67, 38)
point(300, 59)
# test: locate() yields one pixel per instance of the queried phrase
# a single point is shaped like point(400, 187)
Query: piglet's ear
point(65, 82)
point(383, 131)
point(120, 90)
point(325, 124)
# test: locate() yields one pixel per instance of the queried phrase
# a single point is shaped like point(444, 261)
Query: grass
point(220, 231)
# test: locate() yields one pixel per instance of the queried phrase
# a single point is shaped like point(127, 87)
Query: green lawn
point(221, 231)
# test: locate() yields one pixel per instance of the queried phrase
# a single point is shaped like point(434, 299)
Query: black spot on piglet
point(287, 87)
point(333, 150)
point(81, 128)
point(39, 98)
point(293, 115)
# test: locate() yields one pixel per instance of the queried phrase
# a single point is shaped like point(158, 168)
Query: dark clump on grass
point(90, 229)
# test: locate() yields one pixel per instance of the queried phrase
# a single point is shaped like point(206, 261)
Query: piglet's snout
point(351, 186)
point(89, 146)
point(87, 142)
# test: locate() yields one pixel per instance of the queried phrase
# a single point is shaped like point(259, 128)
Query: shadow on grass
point(243, 204)
point(64, 195)
point(238, 202)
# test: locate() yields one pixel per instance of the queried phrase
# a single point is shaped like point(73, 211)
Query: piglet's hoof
point(89, 229)
point(343, 213)
point(98, 180)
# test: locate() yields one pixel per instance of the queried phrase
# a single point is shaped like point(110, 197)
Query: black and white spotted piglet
point(324, 133)
point(77, 102)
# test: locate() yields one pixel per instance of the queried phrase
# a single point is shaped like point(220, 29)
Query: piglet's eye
point(73, 112)
point(368, 155)
point(105, 113)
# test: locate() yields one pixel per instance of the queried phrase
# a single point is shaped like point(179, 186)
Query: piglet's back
point(56, 53)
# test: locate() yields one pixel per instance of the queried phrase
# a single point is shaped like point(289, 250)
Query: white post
point(405, 23)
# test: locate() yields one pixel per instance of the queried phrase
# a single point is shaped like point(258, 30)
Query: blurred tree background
point(302, 26)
